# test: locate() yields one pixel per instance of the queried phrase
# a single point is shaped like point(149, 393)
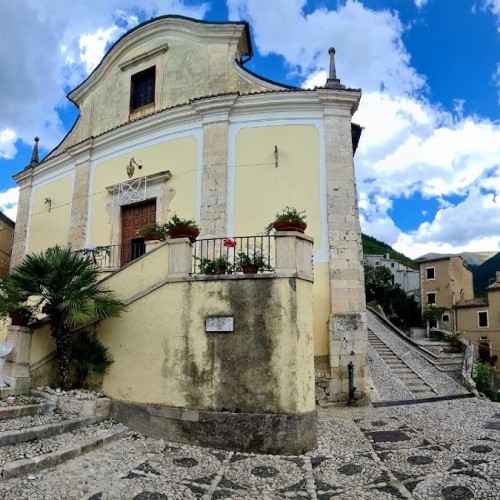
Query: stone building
point(444, 282)
point(172, 122)
point(478, 320)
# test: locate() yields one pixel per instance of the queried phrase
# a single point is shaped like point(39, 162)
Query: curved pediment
point(162, 63)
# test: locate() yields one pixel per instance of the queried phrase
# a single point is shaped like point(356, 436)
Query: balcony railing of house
point(240, 254)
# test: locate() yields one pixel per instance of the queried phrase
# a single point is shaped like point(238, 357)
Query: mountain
point(472, 258)
point(372, 246)
point(485, 273)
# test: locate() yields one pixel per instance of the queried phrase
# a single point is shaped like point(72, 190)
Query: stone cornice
point(339, 98)
point(216, 109)
point(143, 57)
point(302, 104)
point(157, 178)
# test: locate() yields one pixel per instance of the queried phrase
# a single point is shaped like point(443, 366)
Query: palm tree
point(64, 286)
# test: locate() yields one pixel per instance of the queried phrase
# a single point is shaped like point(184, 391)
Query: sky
point(428, 162)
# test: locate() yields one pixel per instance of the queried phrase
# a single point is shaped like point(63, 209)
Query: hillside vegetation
point(372, 246)
point(484, 274)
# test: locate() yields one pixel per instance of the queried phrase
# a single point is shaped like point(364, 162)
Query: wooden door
point(135, 217)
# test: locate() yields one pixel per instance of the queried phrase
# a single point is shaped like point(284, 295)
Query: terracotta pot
point(220, 270)
point(454, 342)
point(17, 320)
point(184, 232)
point(289, 225)
point(150, 236)
point(249, 268)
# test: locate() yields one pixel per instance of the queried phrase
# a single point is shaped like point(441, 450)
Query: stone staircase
point(415, 384)
point(37, 436)
point(447, 362)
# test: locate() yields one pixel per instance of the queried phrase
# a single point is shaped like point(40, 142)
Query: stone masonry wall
point(347, 327)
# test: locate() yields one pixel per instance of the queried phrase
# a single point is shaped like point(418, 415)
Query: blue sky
point(428, 164)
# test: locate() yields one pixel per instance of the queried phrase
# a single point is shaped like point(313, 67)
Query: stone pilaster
point(347, 326)
point(215, 119)
point(17, 366)
point(25, 180)
point(80, 202)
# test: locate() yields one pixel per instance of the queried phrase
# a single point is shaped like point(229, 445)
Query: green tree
point(380, 288)
point(64, 286)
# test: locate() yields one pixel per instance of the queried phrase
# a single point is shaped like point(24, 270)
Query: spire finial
point(34, 154)
point(332, 81)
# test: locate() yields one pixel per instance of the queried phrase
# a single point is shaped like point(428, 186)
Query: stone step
point(421, 390)
point(21, 430)
point(28, 457)
point(10, 412)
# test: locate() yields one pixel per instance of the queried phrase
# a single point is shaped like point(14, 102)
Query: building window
point(392, 264)
point(430, 273)
point(482, 319)
point(446, 318)
point(431, 298)
point(142, 88)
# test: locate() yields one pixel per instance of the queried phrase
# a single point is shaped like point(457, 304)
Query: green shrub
point(89, 355)
point(484, 379)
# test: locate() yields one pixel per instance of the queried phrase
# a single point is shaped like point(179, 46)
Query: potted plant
point(182, 228)
point(219, 265)
point(289, 219)
point(251, 264)
point(453, 338)
point(153, 232)
point(21, 316)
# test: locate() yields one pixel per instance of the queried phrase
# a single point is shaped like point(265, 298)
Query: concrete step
point(27, 457)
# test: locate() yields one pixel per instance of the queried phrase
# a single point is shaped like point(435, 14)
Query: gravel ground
point(447, 449)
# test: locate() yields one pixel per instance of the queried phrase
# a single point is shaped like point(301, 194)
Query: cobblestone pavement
point(447, 449)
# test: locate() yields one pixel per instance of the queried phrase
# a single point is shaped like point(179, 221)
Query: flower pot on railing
point(249, 268)
point(289, 219)
point(184, 232)
point(218, 270)
point(289, 225)
point(19, 320)
point(150, 236)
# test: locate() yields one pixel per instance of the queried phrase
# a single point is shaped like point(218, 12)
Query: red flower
point(228, 242)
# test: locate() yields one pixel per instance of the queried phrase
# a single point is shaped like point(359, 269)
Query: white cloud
point(409, 145)
point(8, 140)
point(8, 202)
point(493, 5)
point(93, 46)
point(57, 43)
point(420, 3)
point(370, 53)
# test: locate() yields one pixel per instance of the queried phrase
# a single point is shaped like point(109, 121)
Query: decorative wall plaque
point(219, 324)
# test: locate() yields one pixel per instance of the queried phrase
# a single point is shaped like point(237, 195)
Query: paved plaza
point(446, 449)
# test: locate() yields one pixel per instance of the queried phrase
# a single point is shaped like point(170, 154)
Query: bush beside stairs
point(45, 434)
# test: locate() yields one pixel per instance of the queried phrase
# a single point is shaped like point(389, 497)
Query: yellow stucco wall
point(50, 227)
point(468, 323)
point(177, 155)
point(3, 330)
point(266, 365)
point(6, 237)
point(261, 190)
